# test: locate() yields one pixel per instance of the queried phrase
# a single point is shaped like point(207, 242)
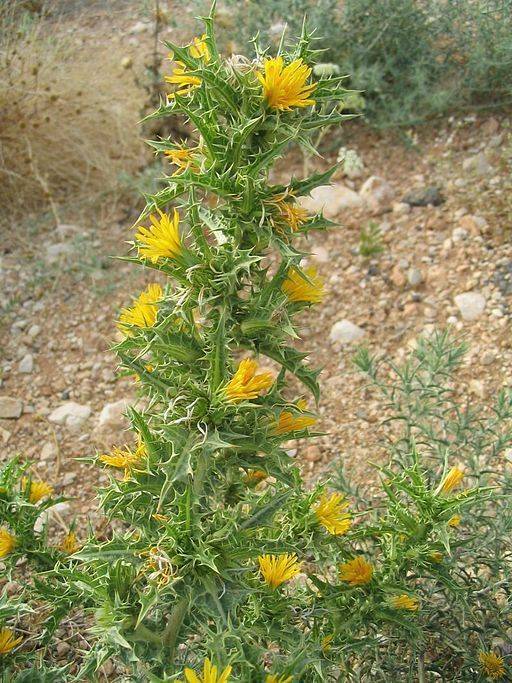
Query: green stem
point(170, 634)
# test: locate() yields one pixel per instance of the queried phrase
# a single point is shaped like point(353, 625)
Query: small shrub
point(221, 565)
point(370, 240)
point(68, 115)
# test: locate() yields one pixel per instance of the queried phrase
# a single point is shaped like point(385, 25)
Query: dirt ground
point(62, 292)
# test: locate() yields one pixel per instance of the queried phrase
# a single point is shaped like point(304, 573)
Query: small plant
point(220, 564)
point(370, 240)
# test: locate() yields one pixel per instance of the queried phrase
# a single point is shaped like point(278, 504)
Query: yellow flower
point(303, 286)
point(274, 678)
point(290, 422)
point(246, 384)
point(7, 640)
point(452, 479)
point(436, 556)
point(183, 158)
point(38, 490)
point(186, 82)
point(7, 542)
point(254, 477)
point(331, 514)
point(289, 211)
point(161, 239)
point(210, 674)
point(404, 601)
point(285, 87)
point(143, 312)
point(492, 664)
point(70, 543)
point(276, 569)
point(356, 572)
point(325, 643)
point(126, 459)
point(199, 49)
point(454, 521)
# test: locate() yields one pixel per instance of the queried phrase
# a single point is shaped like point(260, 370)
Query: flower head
point(356, 572)
point(276, 569)
point(70, 543)
point(452, 479)
point(7, 542)
point(199, 49)
point(285, 87)
point(325, 643)
point(7, 640)
point(274, 678)
point(183, 158)
point(289, 212)
point(246, 384)
point(253, 477)
point(303, 286)
point(161, 239)
point(210, 674)
point(186, 82)
point(124, 459)
point(291, 422)
point(454, 521)
point(493, 665)
point(143, 312)
point(404, 601)
point(37, 490)
point(331, 513)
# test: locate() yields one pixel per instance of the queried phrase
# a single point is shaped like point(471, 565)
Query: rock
point(488, 357)
point(331, 200)
point(62, 649)
point(5, 435)
point(459, 234)
point(397, 277)
point(126, 62)
point(491, 126)
point(67, 230)
point(424, 196)
point(401, 208)
point(477, 164)
point(138, 27)
point(72, 415)
point(377, 193)
point(26, 364)
point(474, 225)
point(319, 254)
point(496, 141)
point(54, 513)
point(414, 277)
point(345, 332)
point(477, 388)
point(112, 423)
point(312, 454)
point(10, 408)
point(470, 304)
point(68, 479)
point(351, 163)
point(49, 451)
point(59, 251)
point(34, 331)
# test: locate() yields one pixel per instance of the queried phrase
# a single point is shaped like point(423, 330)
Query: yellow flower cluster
point(303, 286)
point(37, 490)
point(331, 513)
point(161, 239)
point(185, 81)
point(7, 542)
point(126, 459)
point(285, 87)
point(276, 569)
point(246, 384)
point(7, 640)
point(493, 665)
point(144, 311)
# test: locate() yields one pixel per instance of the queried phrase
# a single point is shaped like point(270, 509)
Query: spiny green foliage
point(370, 240)
point(413, 60)
point(177, 580)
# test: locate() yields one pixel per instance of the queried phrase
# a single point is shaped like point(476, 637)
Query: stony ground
point(61, 399)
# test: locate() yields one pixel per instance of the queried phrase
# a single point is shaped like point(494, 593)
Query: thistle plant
point(220, 564)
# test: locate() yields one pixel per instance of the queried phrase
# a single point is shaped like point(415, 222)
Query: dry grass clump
point(68, 115)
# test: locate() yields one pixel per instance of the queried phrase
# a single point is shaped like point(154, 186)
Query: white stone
point(319, 254)
point(34, 331)
point(331, 200)
point(459, 234)
point(470, 304)
point(49, 451)
point(59, 251)
point(401, 208)
point(26, 364)
point(112, 415)
point(477, 164)
point(377, 193)
point(70, 414)
point(138, 27)
point(414, 277)
point(55, 512)
point(345, 332)
point(10, 408)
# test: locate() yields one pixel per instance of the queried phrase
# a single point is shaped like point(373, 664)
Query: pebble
point(459, 234)
point(49, 451)
point(70, 414)
point(377, 194)
point(34, 331)
point(312, 454)
point(26, 364)
point(424, 196)
point(414, 277)
point(10, 408)
point(346, 332)
point(331, 200)
point(488, 358)
point(470, 304)
point(477, 164)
